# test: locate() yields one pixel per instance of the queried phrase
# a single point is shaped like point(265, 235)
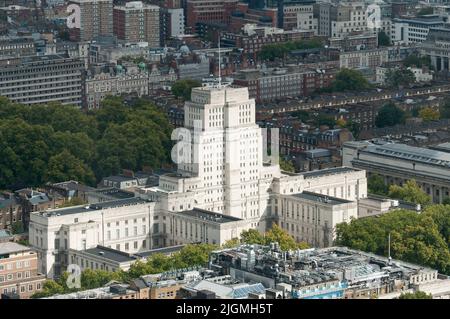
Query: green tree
point(234, 242)
point(49, 288)
point(399, 77)
point(252, 236)
point(429, 114)
point(65, 166)
point(183, 88)
point(415, 295)
point(355, 128)
point(425, 11)
point(286, 241)
point(410, 192)
point(286, 166)
point(91, 279)
point(390, 115)
point(59, 142)
point(17, 228)
point(383, 39)
point(349, 80)
point(376, 185)
point(280, 50)
point(302, 115)
point(416, 61)
point(415, 238)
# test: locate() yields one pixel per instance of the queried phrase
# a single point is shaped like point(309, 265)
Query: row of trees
point(410, 191)
point(53, 143)
point(273, 51)
point(275, 234)
point(422, 238)
point(188, 256)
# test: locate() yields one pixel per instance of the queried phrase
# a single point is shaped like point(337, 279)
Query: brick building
point(137, 22)
point(212, 11)
point(18, 271)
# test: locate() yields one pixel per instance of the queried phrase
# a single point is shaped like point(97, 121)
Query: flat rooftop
point(10, 247)
point(316, 197)
point(108, 253)
point(211, 216)
point(406, 152)
point(329, 171)
point(94, 207)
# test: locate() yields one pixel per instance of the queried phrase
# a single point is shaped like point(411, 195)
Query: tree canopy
point(188, 256)
point(410, 192)
point(399, 77)
point(42, 143)
point(275, 234)
point(183, 88)
point(425, 11)
point(415, 295)
point(280, 50)
point(376, 185)
point(349, 80)
point(418, 238)
point(286, 166)
point(429, 114)
point(390, 115)
point(417, 61)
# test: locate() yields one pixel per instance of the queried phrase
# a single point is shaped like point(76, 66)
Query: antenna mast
point(220, 65)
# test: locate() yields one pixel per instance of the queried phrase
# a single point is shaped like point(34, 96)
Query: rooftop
point(211, 216)
point(411, 153)
point(93, 207)
point(321, 198)
point(111, 254)
point(329, 171)
point(11, 247)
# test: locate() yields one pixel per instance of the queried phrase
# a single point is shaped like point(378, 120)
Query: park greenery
point(425, 11)
point(429, 114)
point(390, 115)
point(275, 234)
point(408, 192)
point(415, 295)
point(54, 143)
point(280, 50)
point(421, 238)
point(376, 185)
point(348, 80)
point(183, 88)
point(399, 78)
point(417, 61)
point(286, 165)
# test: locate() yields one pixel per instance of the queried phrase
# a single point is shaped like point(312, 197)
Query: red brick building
point(209, 11)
